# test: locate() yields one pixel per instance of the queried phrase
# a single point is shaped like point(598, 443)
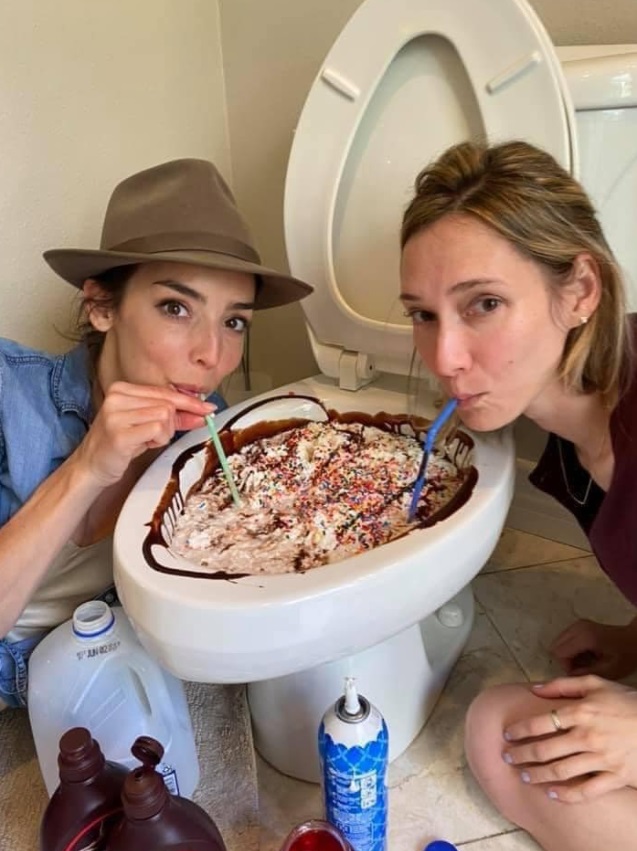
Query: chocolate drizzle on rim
point(173, 498)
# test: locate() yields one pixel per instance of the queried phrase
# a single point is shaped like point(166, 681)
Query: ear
point(97, 305)
point(584, 290)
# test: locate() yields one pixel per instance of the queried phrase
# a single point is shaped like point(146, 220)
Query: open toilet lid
point(404, 80)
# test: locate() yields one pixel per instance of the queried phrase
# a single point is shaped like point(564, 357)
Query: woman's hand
point(587, 647)
point(593, 752)
point(132, 419)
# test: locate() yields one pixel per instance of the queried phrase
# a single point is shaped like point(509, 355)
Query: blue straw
point(432, 433)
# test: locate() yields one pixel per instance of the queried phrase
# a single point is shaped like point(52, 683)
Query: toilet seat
point(482, 68)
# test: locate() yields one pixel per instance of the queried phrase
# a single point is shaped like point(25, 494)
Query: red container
point(316, 835)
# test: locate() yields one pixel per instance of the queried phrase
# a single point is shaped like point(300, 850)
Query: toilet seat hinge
point(355, 370)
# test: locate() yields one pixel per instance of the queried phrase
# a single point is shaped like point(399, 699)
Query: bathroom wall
point(272, 51)
point(92, 92)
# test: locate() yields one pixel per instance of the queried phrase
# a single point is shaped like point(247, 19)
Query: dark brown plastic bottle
point(88, 800)
point(155, 819)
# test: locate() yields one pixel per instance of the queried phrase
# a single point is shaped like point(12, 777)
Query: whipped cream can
point(353, 750)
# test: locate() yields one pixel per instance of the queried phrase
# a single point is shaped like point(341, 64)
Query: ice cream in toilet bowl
point(312, 492)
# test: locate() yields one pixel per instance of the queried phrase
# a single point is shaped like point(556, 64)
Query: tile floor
point(530, 589)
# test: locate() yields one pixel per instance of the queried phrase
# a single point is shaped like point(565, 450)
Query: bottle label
point(355, 790)
point(94, 836)
point(169, 776)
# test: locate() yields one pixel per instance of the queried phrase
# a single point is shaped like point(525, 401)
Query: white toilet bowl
point(293, 637)
point(405, 79)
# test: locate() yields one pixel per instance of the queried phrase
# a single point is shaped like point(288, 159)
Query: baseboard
point(537, 513)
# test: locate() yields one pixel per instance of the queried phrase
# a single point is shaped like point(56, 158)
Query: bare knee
point(486, 719)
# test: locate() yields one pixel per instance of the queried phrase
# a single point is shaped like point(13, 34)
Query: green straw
point(212, 428)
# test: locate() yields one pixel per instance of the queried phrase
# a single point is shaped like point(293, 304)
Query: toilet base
point(403, 677)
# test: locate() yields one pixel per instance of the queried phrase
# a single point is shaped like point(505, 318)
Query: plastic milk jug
point(93, 672)
point(353, 751)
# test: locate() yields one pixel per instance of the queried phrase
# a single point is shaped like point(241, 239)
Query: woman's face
point(485, 321)
point(177, 325)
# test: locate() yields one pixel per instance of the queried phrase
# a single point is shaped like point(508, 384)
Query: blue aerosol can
point(353, 749)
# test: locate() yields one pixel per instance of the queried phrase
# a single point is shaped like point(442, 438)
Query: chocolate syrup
point(155, 819)
point(87, 802)
point(173, 499)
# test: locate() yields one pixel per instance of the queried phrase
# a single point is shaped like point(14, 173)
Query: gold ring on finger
point(555, 718)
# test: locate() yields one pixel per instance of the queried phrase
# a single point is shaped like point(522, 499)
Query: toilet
point(405, 79)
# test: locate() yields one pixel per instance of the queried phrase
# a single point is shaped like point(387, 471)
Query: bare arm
point(37, 532)
point(606, 650)
point(132, 420)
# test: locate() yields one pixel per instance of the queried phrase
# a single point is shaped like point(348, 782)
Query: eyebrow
point(184, 289)
point(461, 286)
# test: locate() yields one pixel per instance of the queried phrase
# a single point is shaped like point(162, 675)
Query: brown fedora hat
point(182, 212)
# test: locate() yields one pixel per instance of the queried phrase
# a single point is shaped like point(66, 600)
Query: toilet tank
point(602, 80)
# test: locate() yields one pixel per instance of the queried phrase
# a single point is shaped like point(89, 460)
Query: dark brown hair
point(113, 285)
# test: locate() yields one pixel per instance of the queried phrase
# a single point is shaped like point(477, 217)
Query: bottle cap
point(80, 756)
point(145, 793)
point(440, 845)
point(148, 751)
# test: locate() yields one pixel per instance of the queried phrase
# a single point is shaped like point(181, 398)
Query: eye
point(419, 317)
point(174, 309)
point(240, 324)
point(484, 304)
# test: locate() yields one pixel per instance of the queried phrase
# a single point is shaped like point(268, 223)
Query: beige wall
point(92, 92)
point(589, 21)
point(272, 51)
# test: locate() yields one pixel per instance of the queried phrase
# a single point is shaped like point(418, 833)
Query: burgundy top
point(608, 519)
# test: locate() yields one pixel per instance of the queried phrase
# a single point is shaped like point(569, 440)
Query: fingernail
point(525, 777)
point(552, 794)
point(538, 685)
point(507, 758)
point(507, 736)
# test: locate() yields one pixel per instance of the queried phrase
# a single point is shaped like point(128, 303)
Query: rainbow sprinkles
point(315, 493)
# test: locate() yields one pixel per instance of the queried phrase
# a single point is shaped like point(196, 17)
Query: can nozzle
point(351, 707)
point(352, 701)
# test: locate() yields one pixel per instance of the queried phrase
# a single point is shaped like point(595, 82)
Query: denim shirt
point(45, 411)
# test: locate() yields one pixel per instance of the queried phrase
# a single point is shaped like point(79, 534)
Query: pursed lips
point(467, 399)
point(188, 389)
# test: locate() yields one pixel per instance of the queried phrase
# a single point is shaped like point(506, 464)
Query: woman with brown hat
point(167, 299)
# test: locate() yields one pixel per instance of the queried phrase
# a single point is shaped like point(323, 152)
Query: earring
point(583, 320)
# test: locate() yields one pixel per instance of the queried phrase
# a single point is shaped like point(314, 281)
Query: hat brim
point(75, 265)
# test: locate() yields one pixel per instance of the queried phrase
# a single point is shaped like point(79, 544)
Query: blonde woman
point(518, 308)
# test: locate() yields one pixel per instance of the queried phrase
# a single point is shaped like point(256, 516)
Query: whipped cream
point(312, 495)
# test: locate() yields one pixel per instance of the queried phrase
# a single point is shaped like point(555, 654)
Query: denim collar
point(70, 383)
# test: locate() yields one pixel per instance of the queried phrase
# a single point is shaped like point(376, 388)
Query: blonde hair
point(525, 196)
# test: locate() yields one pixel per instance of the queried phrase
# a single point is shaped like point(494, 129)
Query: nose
point(448, 351)
point(207, 348)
